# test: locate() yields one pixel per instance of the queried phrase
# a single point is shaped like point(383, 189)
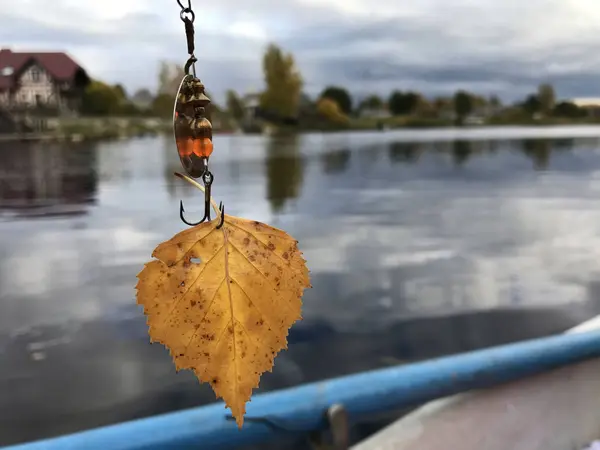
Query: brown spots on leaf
point(203, 342)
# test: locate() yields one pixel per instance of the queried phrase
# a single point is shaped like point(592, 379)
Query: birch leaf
point(223, 300)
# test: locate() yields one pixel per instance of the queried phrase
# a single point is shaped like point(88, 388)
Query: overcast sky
point(503, 47)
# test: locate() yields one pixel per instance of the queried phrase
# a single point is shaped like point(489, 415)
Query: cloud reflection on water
point(427, 226)
point(394, 227)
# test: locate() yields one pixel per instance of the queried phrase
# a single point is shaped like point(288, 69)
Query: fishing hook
point(207, 177)
point(221, 212)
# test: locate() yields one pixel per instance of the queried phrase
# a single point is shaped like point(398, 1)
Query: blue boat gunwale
point(362, 394)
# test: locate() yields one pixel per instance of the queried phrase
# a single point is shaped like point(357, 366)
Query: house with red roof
point(50, 80)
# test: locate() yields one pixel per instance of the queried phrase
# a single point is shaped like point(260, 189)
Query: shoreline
point(119, 128)
point(70, 137)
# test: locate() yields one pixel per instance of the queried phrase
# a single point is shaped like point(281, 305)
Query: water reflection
point(405, 152)
point(284, 167)
point(126, 378)
point(47, 178)
point(336, 161)
point(539, 150)
point(409, 258)
point(461, 152)
point(171, 164)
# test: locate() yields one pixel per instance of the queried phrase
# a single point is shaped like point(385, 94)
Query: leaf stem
point(199, 186)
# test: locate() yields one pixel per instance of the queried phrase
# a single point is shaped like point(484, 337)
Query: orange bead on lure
point(192, 129)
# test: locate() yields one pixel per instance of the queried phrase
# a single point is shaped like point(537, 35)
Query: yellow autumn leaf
point(222, 301)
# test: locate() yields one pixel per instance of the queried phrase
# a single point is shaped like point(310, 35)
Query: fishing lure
point(191, 127)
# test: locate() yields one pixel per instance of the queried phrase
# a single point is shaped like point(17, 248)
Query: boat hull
point(556, 410)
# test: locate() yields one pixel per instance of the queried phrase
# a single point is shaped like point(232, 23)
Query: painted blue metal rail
point(364, 394)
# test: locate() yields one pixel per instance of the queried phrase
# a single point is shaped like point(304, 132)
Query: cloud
point(490, 46)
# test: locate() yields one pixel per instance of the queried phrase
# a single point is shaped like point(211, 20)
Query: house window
point(35, 74)
point(7, 71)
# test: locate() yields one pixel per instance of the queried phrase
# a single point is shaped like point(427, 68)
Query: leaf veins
point(222, 301)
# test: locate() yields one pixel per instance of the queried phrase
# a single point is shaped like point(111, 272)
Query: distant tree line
point(102, 99)
point(283, 100)
point(284, 97)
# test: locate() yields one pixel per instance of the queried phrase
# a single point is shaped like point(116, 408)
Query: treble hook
point(207, 177)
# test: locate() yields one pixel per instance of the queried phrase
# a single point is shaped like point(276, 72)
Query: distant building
point(251, 103)
point(251, 121)
point(40, 80)
point(142, 99)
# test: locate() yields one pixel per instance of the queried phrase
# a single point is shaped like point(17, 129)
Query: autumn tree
point(463, 105)
point(339, 95)
point(101, 99)
point(371, 102)
point(283, 83)
point(532, 104)
point(121, 91)
point(142, 98)
point(546, 98)
point(443, 105)
point(328, 109)
point(169, 77)
point(495, 102)
point(569, 110)
point(478, 101)
point(401, 103)
point(424, 108)
point(169, 80)
point(235, 106)
point(163, 105)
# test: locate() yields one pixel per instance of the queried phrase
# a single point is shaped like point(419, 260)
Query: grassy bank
point(90, 128)
point(543, 121)
point(372, 123)
point(108, 127)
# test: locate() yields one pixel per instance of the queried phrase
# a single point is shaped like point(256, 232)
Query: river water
point(420, 243)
